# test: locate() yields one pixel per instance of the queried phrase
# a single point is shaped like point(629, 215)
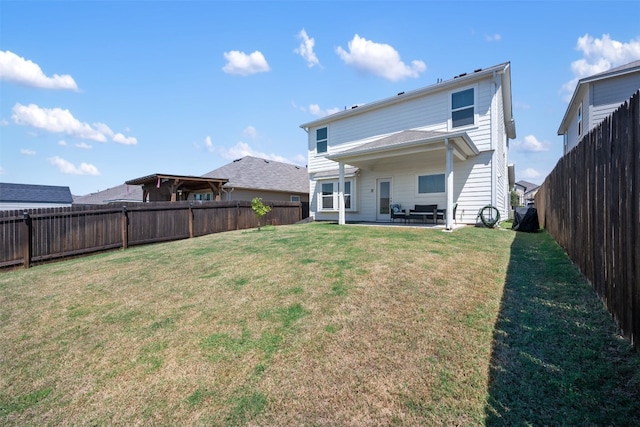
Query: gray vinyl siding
point(427, 113)
point(572, 129)
point(608, 95)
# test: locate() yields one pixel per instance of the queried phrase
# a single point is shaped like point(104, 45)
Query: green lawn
point(318, 325)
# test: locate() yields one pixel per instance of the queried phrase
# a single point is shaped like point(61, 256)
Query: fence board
point(590, 204)
point(77, 230)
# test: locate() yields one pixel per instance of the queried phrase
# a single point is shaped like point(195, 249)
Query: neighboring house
point(526, 192)
point(118, 194)
point(595, 98)
point(442, 144)
point(251, 177)
point(28, 196)
point(242, 179)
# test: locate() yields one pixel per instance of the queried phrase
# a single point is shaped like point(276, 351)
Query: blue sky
point(95, 93)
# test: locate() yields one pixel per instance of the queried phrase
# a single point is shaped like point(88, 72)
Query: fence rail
point(36, 235)
point(590, 204)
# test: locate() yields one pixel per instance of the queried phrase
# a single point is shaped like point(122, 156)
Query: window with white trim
point(580, 119)
point(347, 194)
point(326, 200)
point(429, 184)
point(329, 192)
point(462, 108)
point(321, 140)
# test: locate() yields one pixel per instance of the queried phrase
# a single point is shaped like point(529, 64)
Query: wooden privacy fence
point(590, 204)
point(38, 235)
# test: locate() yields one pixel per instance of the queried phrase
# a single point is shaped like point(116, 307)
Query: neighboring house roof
point(261, 174)
point(29, 193)
point(120, 193)
point(504, 70)
point(632, 67)
point(527, 186)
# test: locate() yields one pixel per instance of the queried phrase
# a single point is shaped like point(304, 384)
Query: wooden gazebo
point(160, 187)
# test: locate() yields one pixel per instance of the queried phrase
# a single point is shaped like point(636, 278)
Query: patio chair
point(396, 212)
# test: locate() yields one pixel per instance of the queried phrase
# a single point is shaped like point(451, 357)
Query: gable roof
point(630, 68)
point(504, 70)
point(29, 193)
point(262, 174)
point(528, 186)
point(120, 193)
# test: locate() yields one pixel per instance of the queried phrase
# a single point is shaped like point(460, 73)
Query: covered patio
point(413, 146)
point(164, 187)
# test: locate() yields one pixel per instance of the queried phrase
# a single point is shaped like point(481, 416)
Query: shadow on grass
point(557, 356)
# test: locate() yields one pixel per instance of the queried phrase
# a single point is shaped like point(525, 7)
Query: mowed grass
point(318, 325)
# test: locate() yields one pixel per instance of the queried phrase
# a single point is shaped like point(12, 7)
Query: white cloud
point(530, 173)
point(241, 64)
point(306, 49)
point(126, 140)
point(54, 120)
point(4, 122)
point(27, 152)
point(531, 144)
point(57, 120)
point(208, 143)
point(62, 143)
point(84, 146)
point(317, 111)
point(379, 59)
point(69, 168)
point(2, 171)
point(599, 55)
point(250, 132)
point(16, 69)
point(493, 37)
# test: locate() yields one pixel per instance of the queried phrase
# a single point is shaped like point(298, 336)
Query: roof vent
point(462, 75)
point(353, 107)
point(236, 160)
point(266, 161)
point(478, 70)
point(400, 93)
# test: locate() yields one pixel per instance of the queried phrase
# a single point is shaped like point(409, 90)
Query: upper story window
point(580, 119)
point(295, 198)
point(431, 184)
point(321, 140)
point(462, 108)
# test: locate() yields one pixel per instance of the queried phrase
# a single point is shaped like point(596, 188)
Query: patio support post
point(449, 184)
point(341, 219)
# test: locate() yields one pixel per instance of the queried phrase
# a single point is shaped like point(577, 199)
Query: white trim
point(476, 116)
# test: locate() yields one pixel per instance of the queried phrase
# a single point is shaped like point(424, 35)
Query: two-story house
point(443, 144)
point(596, 97)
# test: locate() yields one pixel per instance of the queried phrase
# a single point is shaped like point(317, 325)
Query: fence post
point(124, 221)
point(190, 220)
point(26, 243)
point(237, 215)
